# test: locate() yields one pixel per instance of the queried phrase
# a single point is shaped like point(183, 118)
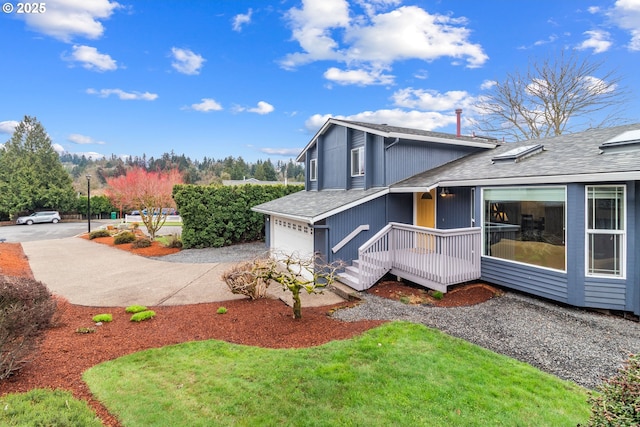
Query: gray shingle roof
point(566, 158)
point(313, 206)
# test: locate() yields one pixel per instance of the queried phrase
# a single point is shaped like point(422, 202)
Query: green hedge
point(215, 216)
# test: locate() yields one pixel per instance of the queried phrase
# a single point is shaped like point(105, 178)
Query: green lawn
point(397, 374)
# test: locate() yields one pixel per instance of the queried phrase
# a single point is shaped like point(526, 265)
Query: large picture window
point(605, 230)
point(357, 161)
point(526, 224)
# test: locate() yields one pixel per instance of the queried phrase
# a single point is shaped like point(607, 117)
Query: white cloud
point(424, 99)
point(626, 15)
point(206, 105)
point(91, 59)
point(427, 120)
point(597, 40)
point(125, 96)
point(329, 30)
point(359, 77)
point(262, 108)
point(8, 126)
point(65, 19)
point(77, 138)
point(488, 84)
point(241, 19)
point(58, 148)
point(281, 151)
point(186, 61)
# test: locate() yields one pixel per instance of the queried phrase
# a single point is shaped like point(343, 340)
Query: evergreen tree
point(31, 174)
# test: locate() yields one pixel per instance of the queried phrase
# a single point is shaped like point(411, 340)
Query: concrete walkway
point(88, 273)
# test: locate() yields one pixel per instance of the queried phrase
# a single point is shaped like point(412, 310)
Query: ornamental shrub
point(141, 243)
point(143, 315)
point(99, 233)
point(618, 403)
point(221, 310)
point(135, 308)
point(174, 241)
point(26, 311)
point(104, 318)
point(124, 237)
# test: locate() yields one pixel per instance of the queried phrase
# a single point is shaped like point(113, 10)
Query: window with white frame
point(526, 224)
point(606, 234)
point(357, 161)
point(313, 170)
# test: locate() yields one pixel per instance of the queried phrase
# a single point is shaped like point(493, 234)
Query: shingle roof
point(313, 206)
point(402, 133)
point(566, 158)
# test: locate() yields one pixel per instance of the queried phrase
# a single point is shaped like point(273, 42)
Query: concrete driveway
point(91, 274)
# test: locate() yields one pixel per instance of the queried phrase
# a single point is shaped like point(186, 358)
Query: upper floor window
point(606, 235)
point(357, 161)
point(313, 170)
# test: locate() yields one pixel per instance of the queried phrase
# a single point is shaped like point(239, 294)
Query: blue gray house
point(557, 217)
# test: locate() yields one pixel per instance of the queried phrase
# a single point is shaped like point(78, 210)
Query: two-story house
point(557, 217)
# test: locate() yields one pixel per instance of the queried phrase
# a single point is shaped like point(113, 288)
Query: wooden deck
point(432, 258)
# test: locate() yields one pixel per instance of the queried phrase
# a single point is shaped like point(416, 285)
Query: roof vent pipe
point(458, 114)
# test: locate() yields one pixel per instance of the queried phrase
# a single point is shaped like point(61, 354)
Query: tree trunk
point(297, 305)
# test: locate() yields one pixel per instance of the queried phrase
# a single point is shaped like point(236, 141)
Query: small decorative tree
point(296, 273)
point(149, 192)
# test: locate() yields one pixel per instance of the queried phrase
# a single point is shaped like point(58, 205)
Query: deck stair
point(351, 275)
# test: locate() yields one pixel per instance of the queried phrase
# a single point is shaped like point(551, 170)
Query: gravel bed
point(234, 253)
point(580, 346)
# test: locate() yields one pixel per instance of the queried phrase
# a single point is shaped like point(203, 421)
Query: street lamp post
point(88, 203)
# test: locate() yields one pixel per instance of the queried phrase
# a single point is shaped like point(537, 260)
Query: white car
point(37, 217)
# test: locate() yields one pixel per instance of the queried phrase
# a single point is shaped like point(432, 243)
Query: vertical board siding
point(370, 213)
point(454, 211)
point(335, 158)
point(537, 281)
point(406, 159)
point(400, 208)
point(375, 161)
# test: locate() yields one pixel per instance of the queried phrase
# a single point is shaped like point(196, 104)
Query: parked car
point(38, 217)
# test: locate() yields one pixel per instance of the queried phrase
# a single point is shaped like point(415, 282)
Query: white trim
point(523, 180)
point(314, 219)
point(623, 233)
point(350, 237)
point(313, 170)
point(360, 171)
point(483, 219)
point(349, 206)
point(410, 136)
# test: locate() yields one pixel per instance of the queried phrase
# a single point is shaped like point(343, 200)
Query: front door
point(426, 209)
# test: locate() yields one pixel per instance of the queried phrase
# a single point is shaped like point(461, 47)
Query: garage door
point(292, 237)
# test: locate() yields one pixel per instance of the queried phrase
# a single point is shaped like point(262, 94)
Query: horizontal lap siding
point(537, 281)
point(609, 294)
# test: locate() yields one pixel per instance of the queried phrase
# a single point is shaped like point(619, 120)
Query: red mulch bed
point(65, 354)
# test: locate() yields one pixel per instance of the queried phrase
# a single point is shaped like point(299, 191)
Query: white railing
point(430, 257)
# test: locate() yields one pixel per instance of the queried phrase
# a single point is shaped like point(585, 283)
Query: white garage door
point(292, 237)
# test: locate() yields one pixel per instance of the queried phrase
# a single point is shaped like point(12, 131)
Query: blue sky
point(256, 79)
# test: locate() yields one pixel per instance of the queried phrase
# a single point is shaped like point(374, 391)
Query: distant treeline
point(205, 171)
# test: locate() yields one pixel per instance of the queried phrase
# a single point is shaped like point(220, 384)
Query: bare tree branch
point(560, 94)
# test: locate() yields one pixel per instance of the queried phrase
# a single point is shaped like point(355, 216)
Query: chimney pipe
point(458, 114)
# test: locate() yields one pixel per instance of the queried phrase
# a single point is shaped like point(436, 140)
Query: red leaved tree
point(148, 192)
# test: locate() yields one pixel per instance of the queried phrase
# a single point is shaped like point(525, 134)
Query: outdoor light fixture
point(444, 192)
point(88, 203)
point(426, 196)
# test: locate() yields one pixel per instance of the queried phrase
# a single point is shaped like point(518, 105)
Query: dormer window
point(357, 161)
point(313, 170)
